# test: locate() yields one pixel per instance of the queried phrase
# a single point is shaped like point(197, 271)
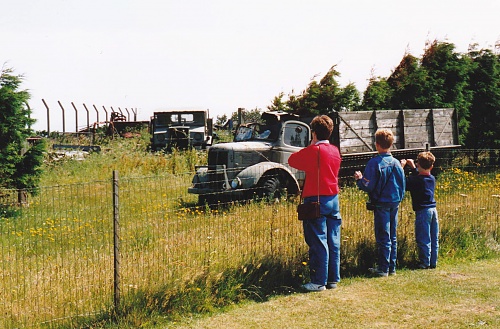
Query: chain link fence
point(88, 250)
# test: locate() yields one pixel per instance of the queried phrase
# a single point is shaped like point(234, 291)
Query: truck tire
point(206, 199)
point(270, 188)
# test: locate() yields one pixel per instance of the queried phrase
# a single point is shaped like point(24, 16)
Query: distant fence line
point(126, 112)
point(82, 250)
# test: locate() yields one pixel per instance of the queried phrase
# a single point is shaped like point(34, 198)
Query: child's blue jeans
point(427, 236)
point(386, 223)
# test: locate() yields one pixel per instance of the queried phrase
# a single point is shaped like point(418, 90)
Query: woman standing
point(321, 163)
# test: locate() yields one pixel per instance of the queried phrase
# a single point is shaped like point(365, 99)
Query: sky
point(220, 55)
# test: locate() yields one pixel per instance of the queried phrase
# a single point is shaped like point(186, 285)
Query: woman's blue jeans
point(322, 235)
point(386, 222)
point(426, 235)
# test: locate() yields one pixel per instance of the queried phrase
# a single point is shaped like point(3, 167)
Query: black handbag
point(309, 210)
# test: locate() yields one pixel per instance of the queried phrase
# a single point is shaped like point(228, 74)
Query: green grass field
point(180, 261)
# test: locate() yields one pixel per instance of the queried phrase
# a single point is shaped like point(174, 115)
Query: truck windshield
point(182, 118)
point(253, 131)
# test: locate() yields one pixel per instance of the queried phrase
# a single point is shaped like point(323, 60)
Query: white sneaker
point(313, 287)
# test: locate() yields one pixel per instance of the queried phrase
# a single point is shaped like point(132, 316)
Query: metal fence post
point(48, 117)
point(76, 117)
point(88, 117)
point(116, 242)
point(63, 117)
point(97, 114)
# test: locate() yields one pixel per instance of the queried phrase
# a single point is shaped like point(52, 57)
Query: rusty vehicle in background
point(181, 129)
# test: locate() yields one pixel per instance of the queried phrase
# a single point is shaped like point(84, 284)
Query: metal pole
point(240, 115)
point(95, 108)
point(88, 117)
point(135, 113)
point(76, 117)
point(106, 111)
point(128, 114)
point(116, 243)
point(48, 117)
point(63, 117)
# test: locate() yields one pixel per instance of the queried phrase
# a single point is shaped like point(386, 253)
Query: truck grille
point(216, 157)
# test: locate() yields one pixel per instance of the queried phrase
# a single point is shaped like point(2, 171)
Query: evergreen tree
point(442, 78)
point(446, 83)
point(325, 96)
point(485, 108)
point(20, 165)
point(278, 104)
point(438, 80)
point(378, 95)
point(406, 83)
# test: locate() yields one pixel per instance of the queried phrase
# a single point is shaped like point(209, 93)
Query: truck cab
point(255, 164)
point(180, 129)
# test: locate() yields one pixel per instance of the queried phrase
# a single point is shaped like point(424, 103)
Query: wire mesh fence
point(56, 255)
point(59, 253)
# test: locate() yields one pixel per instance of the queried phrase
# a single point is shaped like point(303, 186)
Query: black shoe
point(377, 272)
point(331, 285)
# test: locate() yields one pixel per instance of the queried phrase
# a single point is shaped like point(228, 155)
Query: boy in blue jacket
point(384, 181)
point(421, 185)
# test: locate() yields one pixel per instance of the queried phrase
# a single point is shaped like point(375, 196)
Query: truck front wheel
point(206, 199)
point(270, 188)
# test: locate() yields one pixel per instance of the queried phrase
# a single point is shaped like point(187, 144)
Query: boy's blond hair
point(426, 160)
point(384, 138)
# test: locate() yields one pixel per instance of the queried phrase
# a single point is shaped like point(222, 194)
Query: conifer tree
point(20, 163)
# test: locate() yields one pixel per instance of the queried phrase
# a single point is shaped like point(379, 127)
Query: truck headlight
point(235, 183)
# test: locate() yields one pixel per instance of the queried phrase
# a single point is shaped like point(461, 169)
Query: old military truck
point(255, 163)
point(180, 129)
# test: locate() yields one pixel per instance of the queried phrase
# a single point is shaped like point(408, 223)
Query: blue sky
point(218, 55)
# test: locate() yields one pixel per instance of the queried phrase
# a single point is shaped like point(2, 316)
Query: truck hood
point(242, 146)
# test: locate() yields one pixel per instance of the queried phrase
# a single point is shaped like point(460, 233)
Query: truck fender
point(250, 176)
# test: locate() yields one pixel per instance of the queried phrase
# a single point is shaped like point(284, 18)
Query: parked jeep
point(180, 129)
point(255, 163)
